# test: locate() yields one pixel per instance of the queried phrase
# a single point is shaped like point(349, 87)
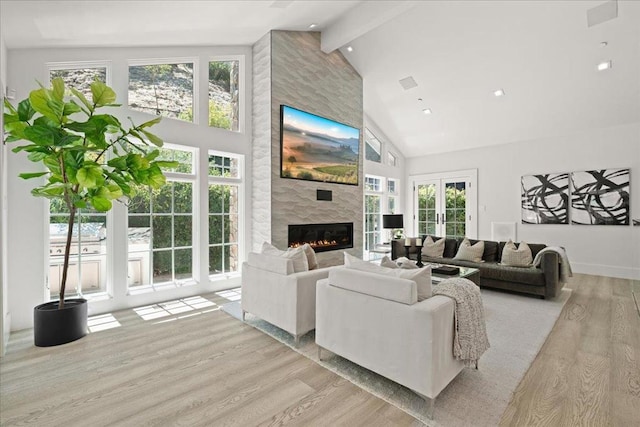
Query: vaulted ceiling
point(541, 53)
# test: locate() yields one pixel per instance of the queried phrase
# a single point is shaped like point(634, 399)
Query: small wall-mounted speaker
point(324, 195)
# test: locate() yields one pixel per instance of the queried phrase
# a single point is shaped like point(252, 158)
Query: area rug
point(517, 327)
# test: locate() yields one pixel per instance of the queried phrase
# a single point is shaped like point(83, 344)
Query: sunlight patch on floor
point(170, 308)
point(234, 294)
point(102, 322)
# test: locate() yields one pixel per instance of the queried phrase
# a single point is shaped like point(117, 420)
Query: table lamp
point(394, 222)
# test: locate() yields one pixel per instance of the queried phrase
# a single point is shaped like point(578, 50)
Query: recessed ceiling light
point(427, 111)
point(498, 92)
point(419, 99)
point(604, 65)
point(604, 44)
point(312, 26)
point(349, 49)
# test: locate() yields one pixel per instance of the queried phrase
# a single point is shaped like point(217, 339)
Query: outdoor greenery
point(67, 136)
point(219, 116)
point(455, 202)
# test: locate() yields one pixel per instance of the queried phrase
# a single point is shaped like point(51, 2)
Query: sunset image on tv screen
point(318, 149)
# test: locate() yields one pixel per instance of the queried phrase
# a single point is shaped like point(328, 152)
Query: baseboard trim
point(606, 270)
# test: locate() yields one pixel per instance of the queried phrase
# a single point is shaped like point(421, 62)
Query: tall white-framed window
point(162, 224)
point(226, 92)
point(80, 74)
point(90, 248)
point(373, 197)
point(167, 87)
point(226, 188)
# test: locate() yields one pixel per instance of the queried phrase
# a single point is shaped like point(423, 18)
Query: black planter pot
point(52, 326)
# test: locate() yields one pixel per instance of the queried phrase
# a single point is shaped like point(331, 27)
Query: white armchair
point(376, 322)
point(273, 292)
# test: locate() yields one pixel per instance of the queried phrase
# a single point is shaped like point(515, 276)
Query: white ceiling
point(541, 53)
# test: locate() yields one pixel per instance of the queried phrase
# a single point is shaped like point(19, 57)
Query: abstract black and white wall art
point(545, 199)
point(600, 197)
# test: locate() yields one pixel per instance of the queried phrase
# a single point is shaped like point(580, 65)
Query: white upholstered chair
point(273, 292)
point(377, 322)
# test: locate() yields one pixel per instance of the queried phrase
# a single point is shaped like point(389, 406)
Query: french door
point(444, 206)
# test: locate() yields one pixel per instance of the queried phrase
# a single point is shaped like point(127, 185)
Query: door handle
point(437, 218)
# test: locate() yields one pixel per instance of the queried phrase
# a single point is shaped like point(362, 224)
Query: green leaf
point(41, 135)
point(80, 204)
point(101, 204)
point(41, 102)
point(32, 175)
point(52, 163)
point(102, 94)
point(151, 155)
point(11, 108)
point(155, 140)
point(21, 148)
point(25, 111)
point(16, 129)
point(82, 99)
point(119, 163)
point(115, 191)
point(150, 123)
point(70, 108)
point(57, 89)
point(37, 156)
point(156, 179)
point(89, 177)
point(167, 164)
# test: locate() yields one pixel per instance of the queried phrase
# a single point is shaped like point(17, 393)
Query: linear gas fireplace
point(322, 237)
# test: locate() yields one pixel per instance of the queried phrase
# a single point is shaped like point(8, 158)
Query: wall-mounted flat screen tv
point(315, 148)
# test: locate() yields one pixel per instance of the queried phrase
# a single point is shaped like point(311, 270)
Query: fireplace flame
point(315, 244)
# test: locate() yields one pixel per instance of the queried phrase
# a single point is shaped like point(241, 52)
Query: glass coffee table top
point(470, 273)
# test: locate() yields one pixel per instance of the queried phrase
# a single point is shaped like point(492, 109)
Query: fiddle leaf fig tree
point(89, 159)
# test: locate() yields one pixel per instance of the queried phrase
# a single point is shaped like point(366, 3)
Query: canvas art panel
point(545, 199)
point(600, 197)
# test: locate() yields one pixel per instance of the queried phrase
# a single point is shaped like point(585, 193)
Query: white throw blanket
point(565, 267)
point(470, 339)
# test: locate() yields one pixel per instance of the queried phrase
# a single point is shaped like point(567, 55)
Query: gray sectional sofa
point(542, 281)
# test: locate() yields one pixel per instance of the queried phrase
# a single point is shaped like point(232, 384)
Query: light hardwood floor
point(588, 371)
point(197, 367)
point(190, 364)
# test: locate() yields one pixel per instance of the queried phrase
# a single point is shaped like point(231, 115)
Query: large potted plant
point(89, 160)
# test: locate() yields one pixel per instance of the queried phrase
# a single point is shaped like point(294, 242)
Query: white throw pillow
point(422, 276)
point(467, 252)
point(433, 249)
point(516, 257)
point(388, 262)
point(296, 255)
point(311, 256)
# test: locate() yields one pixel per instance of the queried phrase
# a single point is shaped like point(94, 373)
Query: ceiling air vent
point(408, 83)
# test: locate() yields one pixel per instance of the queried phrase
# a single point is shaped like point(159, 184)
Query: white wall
point(5, 319)
point(601, 250)
point(27, 228)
